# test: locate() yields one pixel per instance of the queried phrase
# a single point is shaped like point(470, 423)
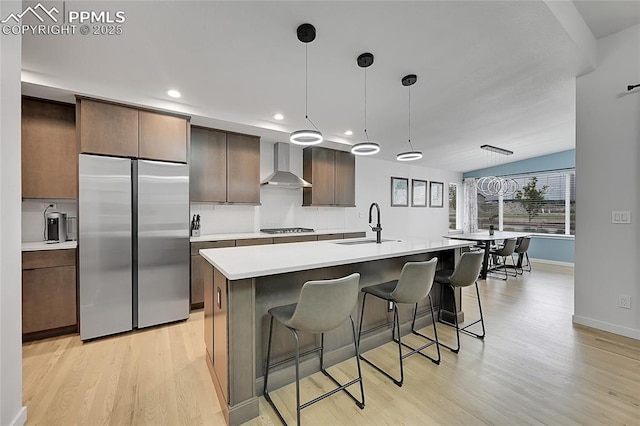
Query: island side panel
point(241, 328)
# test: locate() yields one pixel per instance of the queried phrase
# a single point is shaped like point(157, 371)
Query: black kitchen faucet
point(377, 229)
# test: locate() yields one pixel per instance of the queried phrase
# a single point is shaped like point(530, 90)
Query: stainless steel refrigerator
point(133, 244)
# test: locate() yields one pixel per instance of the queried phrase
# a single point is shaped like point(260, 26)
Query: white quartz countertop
point(43, 245)
point(238, 263)
point(249, 235)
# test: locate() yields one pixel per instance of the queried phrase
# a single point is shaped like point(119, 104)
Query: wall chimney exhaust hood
point(282, 177)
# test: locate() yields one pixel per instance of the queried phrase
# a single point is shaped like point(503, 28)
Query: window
point(454, 222)
point(544, 203)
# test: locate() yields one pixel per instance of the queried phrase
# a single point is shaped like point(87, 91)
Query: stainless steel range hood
point(282, 177)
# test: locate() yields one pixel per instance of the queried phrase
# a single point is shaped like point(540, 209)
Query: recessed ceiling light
point(173, 93)
point(348, 133)
point(278, 116)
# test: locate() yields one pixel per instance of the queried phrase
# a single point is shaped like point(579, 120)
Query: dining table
point(486, 239)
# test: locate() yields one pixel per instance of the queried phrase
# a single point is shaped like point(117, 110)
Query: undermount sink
point(353, 243)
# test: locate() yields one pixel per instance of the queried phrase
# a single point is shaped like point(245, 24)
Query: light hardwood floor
point(534, 367)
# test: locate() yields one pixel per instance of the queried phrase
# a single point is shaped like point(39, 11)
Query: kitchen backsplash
point(33, 217)
point(280, 208)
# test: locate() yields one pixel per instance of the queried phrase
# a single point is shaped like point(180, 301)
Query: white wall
point(11, 410)
point(607, 170)
point(373, 184)
point(283, 207)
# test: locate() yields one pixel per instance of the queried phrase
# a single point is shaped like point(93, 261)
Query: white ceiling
point(607, 17)
point(500, 73)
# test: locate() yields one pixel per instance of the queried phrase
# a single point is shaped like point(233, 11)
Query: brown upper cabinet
point(243, 169)
point(208, 165)
point(107, 129)
point(333, 175)
point(49, 159)
point(122, 131)
point(162, 137)
point(224, 167)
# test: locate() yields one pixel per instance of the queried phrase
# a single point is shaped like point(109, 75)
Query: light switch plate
point(620, 216)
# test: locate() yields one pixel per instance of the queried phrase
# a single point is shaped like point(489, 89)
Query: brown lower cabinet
point(198, 264)
point(48, 293)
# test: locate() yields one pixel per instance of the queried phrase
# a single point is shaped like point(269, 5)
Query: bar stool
point(505, 251)
point(414, 284)
point(465, 274)
point(322, 306)
point(521, 249)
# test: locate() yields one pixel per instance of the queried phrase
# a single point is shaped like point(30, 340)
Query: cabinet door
point(243, 169)
point(49, 156)
point(162, 137)
point(208, 165)
point(220, 335)
point(209, 299)
point(197, 281)
point(319, 169)
point(345, 178)
point(48, 298)
point(198, 265)
point(108, 129)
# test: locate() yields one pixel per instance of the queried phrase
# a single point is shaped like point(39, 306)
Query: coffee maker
point(56, 227)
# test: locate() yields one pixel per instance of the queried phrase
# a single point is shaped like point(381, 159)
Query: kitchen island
point(243, 283)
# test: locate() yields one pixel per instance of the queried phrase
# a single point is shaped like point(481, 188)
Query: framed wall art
point(436, 194)
point(399, 192)
point(418, 193)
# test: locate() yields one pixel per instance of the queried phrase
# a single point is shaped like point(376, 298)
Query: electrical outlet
point(620, 216)
point(624, 301)
point(45, 205)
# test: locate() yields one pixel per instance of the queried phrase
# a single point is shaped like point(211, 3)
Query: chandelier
point(496, 185)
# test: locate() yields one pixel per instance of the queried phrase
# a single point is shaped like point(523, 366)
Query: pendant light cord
point(410, 144)
point(306, 86)
point(365, 105)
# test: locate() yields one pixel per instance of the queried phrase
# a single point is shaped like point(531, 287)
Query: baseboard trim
point(553, 262)
point(606, 326)
point(21, 418)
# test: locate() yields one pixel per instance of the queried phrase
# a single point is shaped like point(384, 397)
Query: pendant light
point(306, 34)
point(408, 81)
point(365, 148)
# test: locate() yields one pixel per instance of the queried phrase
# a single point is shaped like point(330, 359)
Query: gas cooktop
point(286, 230)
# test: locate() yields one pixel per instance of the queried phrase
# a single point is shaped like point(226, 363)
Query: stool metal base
point(457, 326)
point(398, 339)
point(296, 358)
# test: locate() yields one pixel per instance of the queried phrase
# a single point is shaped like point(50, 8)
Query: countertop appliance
point(133, 244)
point(56, 227)
point(286, 230)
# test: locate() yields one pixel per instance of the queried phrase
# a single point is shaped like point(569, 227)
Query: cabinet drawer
point(325, 237)
point(355, 235)
point(48, 298)
point(48, 258)
point(196, 247)
point(254, 242)
point(295, 239)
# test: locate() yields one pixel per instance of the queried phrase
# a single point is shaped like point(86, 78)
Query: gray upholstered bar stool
point(521, 249)
point(322, 306)
point(465, 274)
point(414, 284)
point(505, 251)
